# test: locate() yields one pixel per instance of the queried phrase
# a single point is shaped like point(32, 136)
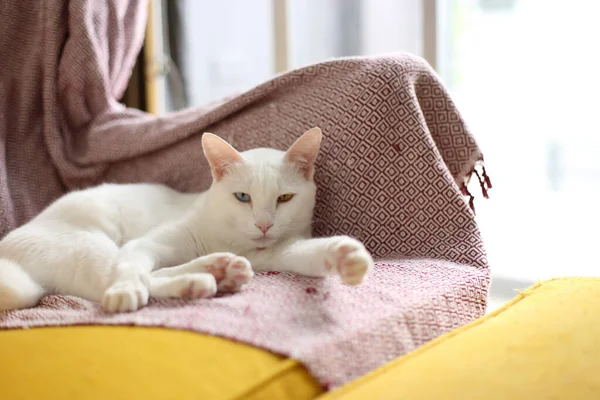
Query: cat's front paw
point(126, 296)
point(231, 272)
point(195, 286)
point(349, 258)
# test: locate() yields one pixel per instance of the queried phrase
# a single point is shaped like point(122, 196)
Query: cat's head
point(262, 196)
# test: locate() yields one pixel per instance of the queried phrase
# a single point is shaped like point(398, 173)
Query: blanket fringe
point(465, 192)
point(484, 182)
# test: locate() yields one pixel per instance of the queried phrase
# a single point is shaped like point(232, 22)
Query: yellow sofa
point(545, 344)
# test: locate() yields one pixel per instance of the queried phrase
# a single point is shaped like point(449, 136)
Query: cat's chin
point(262, 243)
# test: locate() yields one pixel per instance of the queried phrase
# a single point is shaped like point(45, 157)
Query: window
point(525, 75)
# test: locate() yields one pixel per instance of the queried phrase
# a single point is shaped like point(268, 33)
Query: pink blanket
point(392, 172)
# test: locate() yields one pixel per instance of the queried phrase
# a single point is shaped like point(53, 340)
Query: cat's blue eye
point(243, 197)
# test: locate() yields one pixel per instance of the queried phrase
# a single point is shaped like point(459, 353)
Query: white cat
point(120, 244)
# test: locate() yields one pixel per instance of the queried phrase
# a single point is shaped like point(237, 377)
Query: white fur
point(120, 244)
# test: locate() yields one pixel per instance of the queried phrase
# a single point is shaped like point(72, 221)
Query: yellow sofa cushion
point(142, 363)
point(545, 344)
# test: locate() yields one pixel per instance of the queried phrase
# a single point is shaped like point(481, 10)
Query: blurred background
point(524, 73)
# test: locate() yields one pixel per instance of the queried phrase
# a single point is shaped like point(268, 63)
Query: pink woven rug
point(392, 172)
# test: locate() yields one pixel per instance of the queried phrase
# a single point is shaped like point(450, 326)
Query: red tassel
point(472, 204)
point(483, 184)
point(466, 192)
point(487, 178)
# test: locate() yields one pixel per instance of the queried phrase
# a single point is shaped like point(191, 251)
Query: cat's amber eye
point(285, 197)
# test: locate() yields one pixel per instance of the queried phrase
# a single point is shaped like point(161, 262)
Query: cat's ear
point(303, 153)
point(220, 155)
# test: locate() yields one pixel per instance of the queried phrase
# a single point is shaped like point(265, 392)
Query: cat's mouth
point(263, 241)
point(263, 238)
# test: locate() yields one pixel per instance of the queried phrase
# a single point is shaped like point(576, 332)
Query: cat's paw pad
point(125, 296)
point(350, 259)
point(217, 264)
point(195, 286)
point(236, 273)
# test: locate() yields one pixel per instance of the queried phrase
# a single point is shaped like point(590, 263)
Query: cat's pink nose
point(264, 226)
